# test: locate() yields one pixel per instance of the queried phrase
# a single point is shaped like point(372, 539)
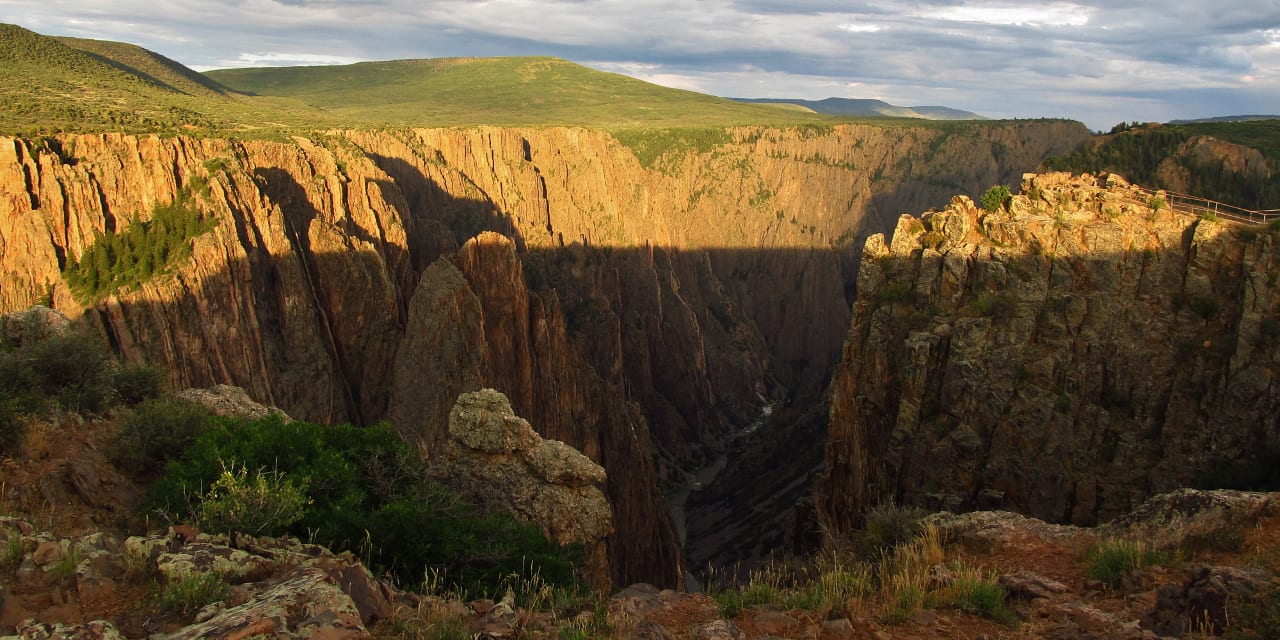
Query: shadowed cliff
point(644, 316)
point(1065, 357)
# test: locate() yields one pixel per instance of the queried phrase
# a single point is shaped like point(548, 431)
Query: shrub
point(1156, 203)
point(186, 595)
point(1111, 561)
point(1205, 306)
point(999, 306)
point(11, 554)
point(367, 494)
point(135, 383)
point(891, 293)
point(156, 431)
point(265, 504)
point(975, 593)
point(904, 605)
point(996, 197)
point(12, 427)
point(887, 526)
point(73, 370)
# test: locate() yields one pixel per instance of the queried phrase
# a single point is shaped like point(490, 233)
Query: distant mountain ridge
point(1248, 118)
point(866, 107)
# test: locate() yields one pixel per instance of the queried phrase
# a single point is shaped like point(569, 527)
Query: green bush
point(265, 504)
point(73, 371)
point(1111, 561)
point(135, 383)
point(887, 526)
point(12, 427)
point(186, 595)
point(891, 293)
point(981, 597)
point(996, 197)
point(156, 431)
point(367, 494)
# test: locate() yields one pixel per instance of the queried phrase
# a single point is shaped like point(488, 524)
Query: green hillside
point(49, 85)
point(497, 91)
point(146, 64)
point(1139, 151)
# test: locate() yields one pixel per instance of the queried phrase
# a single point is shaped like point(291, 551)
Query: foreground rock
point(496, 459)
point(277, 587)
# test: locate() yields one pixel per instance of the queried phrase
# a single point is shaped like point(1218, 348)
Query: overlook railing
point(1198, 206)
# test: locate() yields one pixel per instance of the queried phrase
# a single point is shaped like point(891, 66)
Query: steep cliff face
point(1066, 357)
point(633, 313)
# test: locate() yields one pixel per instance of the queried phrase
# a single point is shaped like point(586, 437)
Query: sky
point(1093, 61)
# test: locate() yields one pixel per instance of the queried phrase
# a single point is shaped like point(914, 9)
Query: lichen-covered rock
point(32, 325)
point(96, 630)
point(497, 459)
point(559, 463)
point(484, 421)
point(230, 401)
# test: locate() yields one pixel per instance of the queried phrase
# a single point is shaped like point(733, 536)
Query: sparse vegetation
point(656, 148)
point(891, 293)
point(996, 198)
point(1111, 561)
point(185, 595)
point(144, 249)
point(997, 306)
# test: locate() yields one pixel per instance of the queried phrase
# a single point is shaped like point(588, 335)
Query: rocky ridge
point(1065, 356)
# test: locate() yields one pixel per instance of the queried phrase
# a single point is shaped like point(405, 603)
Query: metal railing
point(1198, 206)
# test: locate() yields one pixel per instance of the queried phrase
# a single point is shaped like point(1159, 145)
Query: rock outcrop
point(32, 325)
point(278, 587)
point(637, 314)
point(1065, 356)
point(233, 402)
point(496, 459)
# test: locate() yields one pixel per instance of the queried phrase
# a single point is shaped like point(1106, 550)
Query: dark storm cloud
point(1084, 59)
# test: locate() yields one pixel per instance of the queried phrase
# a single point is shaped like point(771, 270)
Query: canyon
point(644, 313)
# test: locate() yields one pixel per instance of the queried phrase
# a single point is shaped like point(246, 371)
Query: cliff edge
point(1067, 355)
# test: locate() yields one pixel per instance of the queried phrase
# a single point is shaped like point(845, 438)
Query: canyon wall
point(1066, 357)
point(643, 315)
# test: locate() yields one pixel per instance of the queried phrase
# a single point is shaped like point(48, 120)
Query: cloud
point(1087, 59)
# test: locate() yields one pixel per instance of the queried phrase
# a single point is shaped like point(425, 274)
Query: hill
point(868, 108)
point(499, 91)
point(1226, 119)
point(146, 64)
point(1236, 162)
point(52, 84)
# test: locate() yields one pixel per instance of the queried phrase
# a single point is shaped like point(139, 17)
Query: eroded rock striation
point(1066, 356)
point(639, 314)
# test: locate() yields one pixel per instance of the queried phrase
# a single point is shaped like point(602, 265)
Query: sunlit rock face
point(1065, 356)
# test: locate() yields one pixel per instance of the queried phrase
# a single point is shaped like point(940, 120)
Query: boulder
point(233, 402)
